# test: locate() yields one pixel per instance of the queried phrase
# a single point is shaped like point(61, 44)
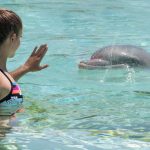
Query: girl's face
point(15, 43)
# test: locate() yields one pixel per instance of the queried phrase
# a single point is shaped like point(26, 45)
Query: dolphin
point(116, 56)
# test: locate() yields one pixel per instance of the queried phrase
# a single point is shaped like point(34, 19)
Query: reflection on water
point(4, 126)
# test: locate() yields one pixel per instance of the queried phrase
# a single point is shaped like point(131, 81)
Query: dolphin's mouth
point(99, 64)
point(93, 63)
point(82, 64)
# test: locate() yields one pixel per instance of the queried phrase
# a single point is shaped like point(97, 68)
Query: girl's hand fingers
point(43, 67)
point(42, 50)
point(43, 53)
point(32, 54)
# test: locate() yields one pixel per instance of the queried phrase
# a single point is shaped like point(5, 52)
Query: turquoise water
point(72, 109)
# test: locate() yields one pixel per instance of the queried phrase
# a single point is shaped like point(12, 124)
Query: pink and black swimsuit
point(13, 101)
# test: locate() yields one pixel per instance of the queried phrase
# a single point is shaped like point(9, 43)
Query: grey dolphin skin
point(117, 56)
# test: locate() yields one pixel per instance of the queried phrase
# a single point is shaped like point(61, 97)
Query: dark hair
point(9, 22)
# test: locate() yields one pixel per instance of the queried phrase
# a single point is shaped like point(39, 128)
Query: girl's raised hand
point(33, 62)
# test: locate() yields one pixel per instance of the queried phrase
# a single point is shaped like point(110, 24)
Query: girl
point(11, 28)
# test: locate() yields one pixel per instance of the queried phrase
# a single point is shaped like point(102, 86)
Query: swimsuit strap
point(6, 76)
point(9, 94)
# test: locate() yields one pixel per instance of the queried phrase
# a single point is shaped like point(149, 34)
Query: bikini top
point(15, 92)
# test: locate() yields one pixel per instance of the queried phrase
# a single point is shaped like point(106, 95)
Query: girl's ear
point(13, 36)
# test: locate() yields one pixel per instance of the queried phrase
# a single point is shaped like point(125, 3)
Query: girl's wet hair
point(10, 22)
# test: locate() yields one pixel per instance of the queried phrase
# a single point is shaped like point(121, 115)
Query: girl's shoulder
point(5, 85)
